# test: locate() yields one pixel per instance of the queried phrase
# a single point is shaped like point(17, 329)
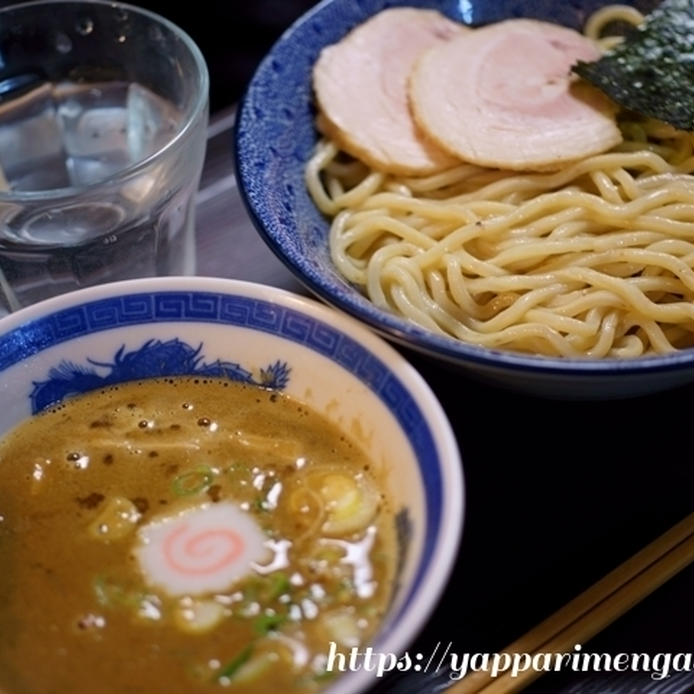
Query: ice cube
point(92, 117)
point(94, 123)
point(97, 131)
point(87, 170)
point(32, 156)
point(152, 122)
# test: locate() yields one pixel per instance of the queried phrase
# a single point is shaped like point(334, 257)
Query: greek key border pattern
point(209, 307)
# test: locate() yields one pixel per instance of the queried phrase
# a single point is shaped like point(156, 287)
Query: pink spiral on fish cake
point(202, 552)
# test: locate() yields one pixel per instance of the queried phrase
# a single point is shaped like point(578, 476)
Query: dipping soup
point(187, 535)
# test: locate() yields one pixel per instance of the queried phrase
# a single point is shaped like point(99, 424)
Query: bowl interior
point(275, 136)
point(105, 336)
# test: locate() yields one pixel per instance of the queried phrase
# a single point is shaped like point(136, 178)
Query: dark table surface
point(558, 493)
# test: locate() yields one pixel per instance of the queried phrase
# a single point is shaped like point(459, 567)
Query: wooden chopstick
point(594, 609)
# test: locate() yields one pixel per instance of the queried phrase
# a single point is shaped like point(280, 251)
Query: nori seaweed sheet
point(652, 70)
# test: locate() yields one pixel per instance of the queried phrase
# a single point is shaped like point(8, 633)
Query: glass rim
point(191, 114)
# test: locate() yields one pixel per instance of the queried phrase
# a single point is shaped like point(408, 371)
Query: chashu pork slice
point(503, 96)
point(361, 85)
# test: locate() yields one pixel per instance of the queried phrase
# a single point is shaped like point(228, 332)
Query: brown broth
point(76, 613)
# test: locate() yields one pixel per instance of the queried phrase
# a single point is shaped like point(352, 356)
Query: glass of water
point(103, 119)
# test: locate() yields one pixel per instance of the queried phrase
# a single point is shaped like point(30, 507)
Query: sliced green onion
point(279, 584)
point(255, 668)
point(109, 593)
point(233, 666)
point(105, 591)
point(193, 482)
point(198, 616)
point(266, 623)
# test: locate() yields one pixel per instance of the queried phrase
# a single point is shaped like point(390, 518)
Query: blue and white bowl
point(275, 137)
point(138, 329)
